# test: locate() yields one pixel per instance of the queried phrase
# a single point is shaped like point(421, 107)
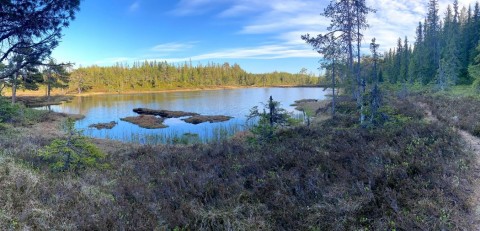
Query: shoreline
point(40, 93)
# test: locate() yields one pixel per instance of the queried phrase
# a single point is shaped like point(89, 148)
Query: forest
point(443, 53)
point(395, 146)
point(161, 75)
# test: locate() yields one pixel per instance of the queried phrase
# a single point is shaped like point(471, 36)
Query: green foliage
point(19, 114)
point(272, 118)
point(474, 71)
point(8, 111)
point(73, 153)
point(32, 29)
point(55, 76)
point(444, 51)
point(162, 75)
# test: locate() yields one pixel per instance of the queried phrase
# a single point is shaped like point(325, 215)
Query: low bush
point(269, 120)
point(74, 152)
point(407, 175)
point(461, 112)
point(8, 112)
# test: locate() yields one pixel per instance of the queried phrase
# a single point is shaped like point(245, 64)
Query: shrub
point(8, 112)
point(268, 122)
point(73, 153)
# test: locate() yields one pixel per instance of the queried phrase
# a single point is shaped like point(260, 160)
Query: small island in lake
point(198, 119)
point(101, 126)
point(146, 121)
point(193, 118)
point(163, 113)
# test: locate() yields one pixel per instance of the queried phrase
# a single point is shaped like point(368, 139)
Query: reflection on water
point(230, 102)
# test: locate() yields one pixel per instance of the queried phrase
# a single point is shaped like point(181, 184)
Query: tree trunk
point(14, 88)
point(333, 88)
point(272, 109)
point(49, 89)
point(361, 87)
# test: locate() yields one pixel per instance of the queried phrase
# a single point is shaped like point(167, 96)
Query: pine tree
point(432, 41)
point(474, 70)
point(450, 65)
point(55, 76)
point(33, 29)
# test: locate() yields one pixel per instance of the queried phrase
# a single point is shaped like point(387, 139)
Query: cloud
point(196, 7)
point(286, 20)
point(263, 52)
point(260, 52)
point(282, 22)
point(173, 46)
point(135, 6)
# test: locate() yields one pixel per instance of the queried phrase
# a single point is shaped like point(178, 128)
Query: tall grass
point(209, 135)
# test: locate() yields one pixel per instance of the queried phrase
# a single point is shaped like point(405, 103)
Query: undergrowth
point(406, 174)
point(455, 111)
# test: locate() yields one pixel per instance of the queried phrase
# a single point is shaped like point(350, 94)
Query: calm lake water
point(230, 102)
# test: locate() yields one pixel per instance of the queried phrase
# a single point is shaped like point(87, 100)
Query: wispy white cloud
point(259, 52)
point(263, 52)
point(135, 6)
point(284, 21)
point(173, 46)
point(196, 7)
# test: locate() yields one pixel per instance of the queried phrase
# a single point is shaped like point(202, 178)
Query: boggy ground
point(408, 174)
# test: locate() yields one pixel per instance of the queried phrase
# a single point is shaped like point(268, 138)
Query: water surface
point(230, 102)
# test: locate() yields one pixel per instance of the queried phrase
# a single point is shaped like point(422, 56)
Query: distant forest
point(162, 75)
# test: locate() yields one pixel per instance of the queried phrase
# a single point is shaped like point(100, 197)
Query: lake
point(230, 102)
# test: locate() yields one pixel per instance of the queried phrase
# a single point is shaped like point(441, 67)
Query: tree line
point(444, 50)
point(162, 75)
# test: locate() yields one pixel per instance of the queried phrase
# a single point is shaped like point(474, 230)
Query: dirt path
point(472, 144)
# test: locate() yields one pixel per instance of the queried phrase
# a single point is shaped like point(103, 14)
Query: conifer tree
point(32, 29)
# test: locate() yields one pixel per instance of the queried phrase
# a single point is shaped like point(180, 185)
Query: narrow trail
point(472, 144)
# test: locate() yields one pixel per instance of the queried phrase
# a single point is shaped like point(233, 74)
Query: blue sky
point(259, 35)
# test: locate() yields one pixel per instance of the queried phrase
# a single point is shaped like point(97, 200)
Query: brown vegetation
point(405, 175)
point(40, 101)
point(311, 106)
point(100, 126)
point(461, 112)
point(146, 121)
point(202, 119)
point(163, 113)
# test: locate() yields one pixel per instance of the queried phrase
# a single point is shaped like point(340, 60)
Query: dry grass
point(39, 101)
point(461, 112)
point(100, 126)
point(198, 119)
point(163, 113)
point(146, 121)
